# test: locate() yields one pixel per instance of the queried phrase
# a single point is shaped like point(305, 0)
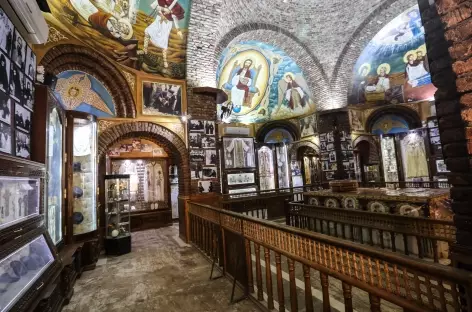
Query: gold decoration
point(55, 35)
point(77, 89)
point(130, 78)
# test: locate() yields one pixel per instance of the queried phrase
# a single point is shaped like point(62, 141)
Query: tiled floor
point(160, 274)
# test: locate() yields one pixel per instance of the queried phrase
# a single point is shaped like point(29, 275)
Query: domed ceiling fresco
point(145, 35)
point(82, 92)
point(393, 68)
point(263, 83)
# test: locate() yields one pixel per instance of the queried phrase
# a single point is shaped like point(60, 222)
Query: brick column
point(448, 32)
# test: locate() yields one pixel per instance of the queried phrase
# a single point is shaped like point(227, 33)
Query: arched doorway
point(173, 146)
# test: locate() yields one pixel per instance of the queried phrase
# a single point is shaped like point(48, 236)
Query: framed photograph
point(206, 186)
point(330, 175)
point(324, 156)
point(197, 155)
point(239, 153)
point(434, 132)
point(243, 190)
point(433, 123)
point(209, 127)
point(7, 32)
point(18, 55)
point(345, 146)
point(5, 138)
point(332, 156)
point(5, 68)
point(323, 146)
point(195, 140)
point(330, 147)
point(208, 142)
point(346, 166)
point(30, 69)
point(28, 94)
point(351, 164)
point(196, 171)
point(210, 173)
point(16, 82)
point(323, 137)
point(436, 140)
point(441, 166)
point(330, 136)
point(333, 166)
point(22, 145)
point(196, 125)
point(22, 118)
point(308, 125)
point(325, 165)
point(162, 99)
point(344, 156)
point(241, 178)
point(210, 157)
point(5, 108)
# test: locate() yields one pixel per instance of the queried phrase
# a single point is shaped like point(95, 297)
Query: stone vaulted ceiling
point(324, 37)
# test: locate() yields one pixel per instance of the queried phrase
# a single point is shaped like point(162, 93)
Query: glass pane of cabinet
point(283, 166)
point(117, 208)
point(84, 216)
point(54, 183)
point(389, 159)
point(266, 168)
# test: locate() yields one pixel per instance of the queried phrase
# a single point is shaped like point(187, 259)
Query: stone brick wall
point(448, 27)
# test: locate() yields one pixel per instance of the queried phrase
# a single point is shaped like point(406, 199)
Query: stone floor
point(160, 274)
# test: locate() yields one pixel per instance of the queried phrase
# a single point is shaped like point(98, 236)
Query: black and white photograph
point(441, 165)
point(162, 99)
point(330, 136)
point(323, 146)
point(332, 156)
point(209, 127)
point(241, 178)
point(197, 125)
point(28, 94)
point(4, 72)
point(308, 125)
point(323, 137)
point(435, 140)
point(5, 108)
point(210, 157)
point(30, 69)
point(325, 165)
point(208, 142)
point(16, 82)
point(333, 166)
point(324, 156)
point(239, 153)
point(5, 138)
point(22, 118)
point(344, 155)
point(330, 147)
point(351, 164)
point(345, 146)
point(6, 33)
point(434, 132)
point(206, 186)
point(195, 140)
point(197, 155)
point(346, 165)
point(196, 171)
point(330, 175)
point(22, 145)
point(433, 123)
point(18, 55)
point(209, 173)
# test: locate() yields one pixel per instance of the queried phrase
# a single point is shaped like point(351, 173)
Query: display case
point(265, 156)
point(81, 174)
point(117, 211)
point(283, 168)
point(48, 147)
point(389, 158)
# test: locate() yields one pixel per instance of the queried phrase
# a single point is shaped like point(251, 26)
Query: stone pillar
point(448, 33)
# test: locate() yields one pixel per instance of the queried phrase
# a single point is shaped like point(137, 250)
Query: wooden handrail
point(412, 284)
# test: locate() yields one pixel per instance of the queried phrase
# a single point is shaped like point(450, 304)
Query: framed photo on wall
point(238, 153)
point(7, 32)
point(241, 178)
point(19, 50)
point(163, 98)
point(5, 138)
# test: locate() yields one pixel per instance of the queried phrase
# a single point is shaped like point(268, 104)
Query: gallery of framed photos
point(152, 183)
point(413, 156)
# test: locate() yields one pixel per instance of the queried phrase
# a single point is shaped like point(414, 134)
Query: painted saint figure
point(169, 12)
point(294, 95)
point(414, 70)
point(240, 85)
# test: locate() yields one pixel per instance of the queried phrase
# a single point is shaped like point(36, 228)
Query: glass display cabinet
point(389, 158)
point(82, 173)
point(117, 211)
point(266, 168)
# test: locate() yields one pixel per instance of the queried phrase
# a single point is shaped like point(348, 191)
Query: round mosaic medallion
point(350, 203)
point(313, 201)
point(410, 210)
point(331, 203)
point(376, 206)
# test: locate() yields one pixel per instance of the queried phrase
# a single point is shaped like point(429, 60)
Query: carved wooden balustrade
point(286, 267)
point(422, 237)
point(407, 184)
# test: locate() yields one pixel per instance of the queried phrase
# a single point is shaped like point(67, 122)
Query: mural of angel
point(76, 90)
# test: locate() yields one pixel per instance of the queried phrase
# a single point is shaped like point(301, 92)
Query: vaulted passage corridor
point(161, 274)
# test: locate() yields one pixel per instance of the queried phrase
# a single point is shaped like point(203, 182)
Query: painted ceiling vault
point(145, 35)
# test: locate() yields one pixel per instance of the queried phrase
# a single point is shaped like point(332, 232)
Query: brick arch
point(342, 74)
point(296, 146)
point(165, 138)
point(73, 57)
point(312, 69)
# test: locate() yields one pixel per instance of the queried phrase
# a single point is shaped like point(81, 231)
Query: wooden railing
point(317, 271)
point(405, 184)
point(267, 204)
point(422, 237)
